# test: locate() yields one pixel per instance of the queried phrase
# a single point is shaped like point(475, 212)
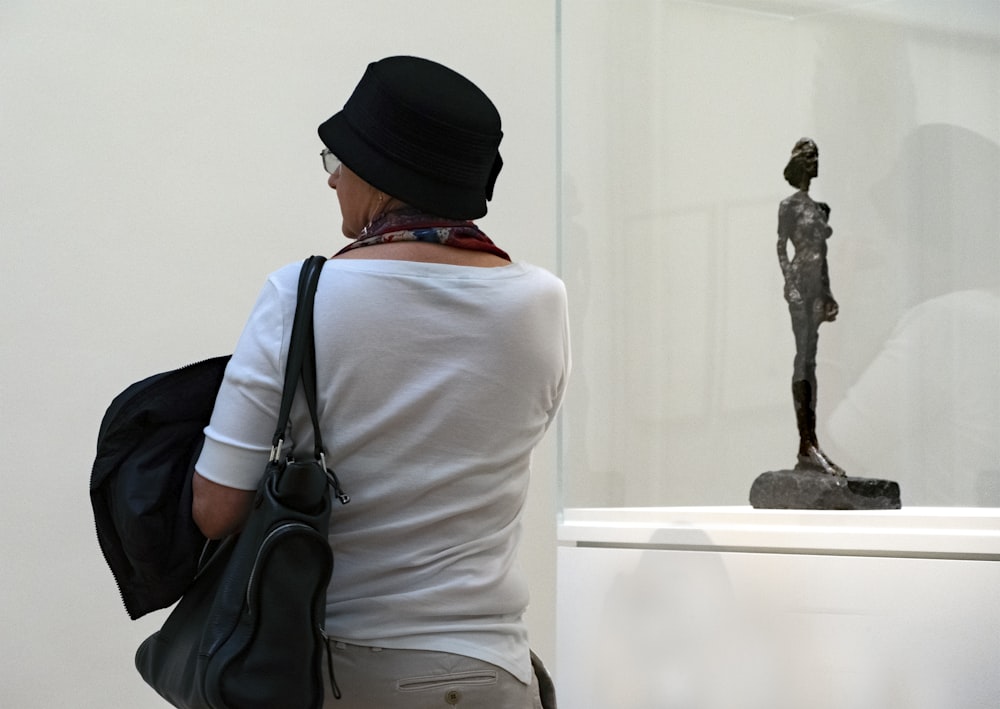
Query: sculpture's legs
point(803, 396)
point(806, 330)
point(810, 457)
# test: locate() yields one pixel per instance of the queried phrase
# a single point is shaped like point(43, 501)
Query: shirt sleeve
point(238, 436)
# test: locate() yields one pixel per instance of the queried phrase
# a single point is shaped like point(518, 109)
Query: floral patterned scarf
point(413, 225)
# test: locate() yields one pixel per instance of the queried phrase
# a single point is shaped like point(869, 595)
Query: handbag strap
point(309, 389)
point(300, 347)
point(301, 367)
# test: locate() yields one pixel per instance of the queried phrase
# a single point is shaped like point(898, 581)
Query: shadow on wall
point(673, 636)
point(926, 410)
point(680, 628)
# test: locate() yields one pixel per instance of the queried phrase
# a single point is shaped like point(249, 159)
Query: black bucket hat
point(422, 133)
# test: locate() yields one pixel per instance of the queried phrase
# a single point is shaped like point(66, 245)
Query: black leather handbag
point(248, 633)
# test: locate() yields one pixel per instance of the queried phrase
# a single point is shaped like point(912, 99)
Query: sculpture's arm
point(826, 279)
point(783, 230)
point(830, 307)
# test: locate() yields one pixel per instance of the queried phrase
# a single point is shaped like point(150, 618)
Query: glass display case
point(676, 121)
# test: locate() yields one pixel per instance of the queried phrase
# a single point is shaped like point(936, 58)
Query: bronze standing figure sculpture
point(816, 483)
point(804, 222)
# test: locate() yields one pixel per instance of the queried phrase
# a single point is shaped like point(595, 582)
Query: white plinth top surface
point(932, 532)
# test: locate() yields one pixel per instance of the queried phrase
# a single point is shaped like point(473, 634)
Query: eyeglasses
point(330, 161)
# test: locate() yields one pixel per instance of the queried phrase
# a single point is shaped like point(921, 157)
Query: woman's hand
point(219, 510)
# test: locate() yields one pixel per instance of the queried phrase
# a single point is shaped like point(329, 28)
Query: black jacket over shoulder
point(140, 486)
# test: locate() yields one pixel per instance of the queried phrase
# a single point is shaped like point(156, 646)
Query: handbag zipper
point(268, 540)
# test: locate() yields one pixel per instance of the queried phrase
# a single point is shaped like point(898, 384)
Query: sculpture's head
point(803, 165)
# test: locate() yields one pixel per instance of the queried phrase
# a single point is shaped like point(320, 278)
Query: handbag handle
point(301, 353)
point(301, 366)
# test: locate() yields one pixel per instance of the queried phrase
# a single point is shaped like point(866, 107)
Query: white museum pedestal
point(736, 608)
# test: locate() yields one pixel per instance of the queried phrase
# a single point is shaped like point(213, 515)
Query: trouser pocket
point(471, 678)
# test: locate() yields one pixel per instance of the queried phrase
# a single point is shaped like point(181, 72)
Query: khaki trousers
point(379, 678)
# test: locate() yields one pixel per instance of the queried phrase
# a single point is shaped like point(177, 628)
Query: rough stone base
point(804, 490)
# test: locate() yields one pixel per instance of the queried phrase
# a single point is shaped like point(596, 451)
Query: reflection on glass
point(676, 119)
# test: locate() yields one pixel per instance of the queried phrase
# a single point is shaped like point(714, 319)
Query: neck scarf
point(413, 225)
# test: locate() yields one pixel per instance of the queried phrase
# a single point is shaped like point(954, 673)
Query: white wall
point(158, 159)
